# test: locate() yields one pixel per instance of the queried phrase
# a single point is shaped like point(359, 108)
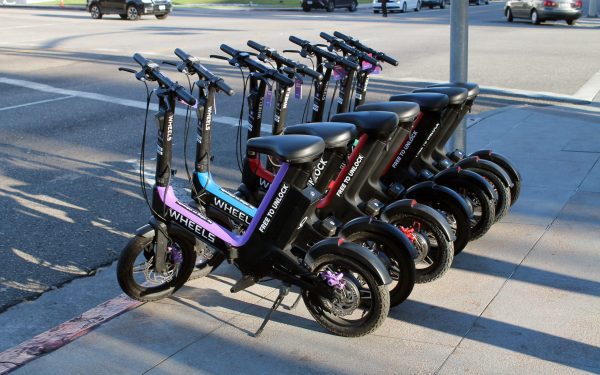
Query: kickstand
point(295, 304)
point(283, 291)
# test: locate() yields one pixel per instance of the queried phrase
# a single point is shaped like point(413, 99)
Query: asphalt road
point(70, 124)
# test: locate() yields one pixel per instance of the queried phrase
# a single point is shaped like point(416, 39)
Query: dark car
point(129, 9)
point(329, 5)
point(479, 2)
point(433, 3)
point(538, 11)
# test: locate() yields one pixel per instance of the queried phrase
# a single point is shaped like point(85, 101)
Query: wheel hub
point(346, 299)
point(421, 244)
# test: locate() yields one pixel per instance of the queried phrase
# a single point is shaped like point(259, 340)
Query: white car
point(398, 5)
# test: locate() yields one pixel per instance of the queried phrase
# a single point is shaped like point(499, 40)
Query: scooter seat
point(406, 111)
point(427, 101)
point(456, 95)
point(334, 134)
point(374, 123)
point(293, 149)
point(472, 88)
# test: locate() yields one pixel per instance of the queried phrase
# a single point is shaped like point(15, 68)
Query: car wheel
point(306, 8)
point(123, 16)
point(162, 16)
point(376, 11)
point(508, 14)
point(404, 8)
point(442, 4)
point(535, 18)
point(571, 22)
point(133, 14)
point(353, 6)
point(330, 7)
point(95, 12)
point(418, 8)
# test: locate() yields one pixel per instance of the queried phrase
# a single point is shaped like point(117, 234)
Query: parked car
point(129, 9)
point(398, 5)
point(539, 11)
point(329, 5)
point(434, 3)
point(479, 2)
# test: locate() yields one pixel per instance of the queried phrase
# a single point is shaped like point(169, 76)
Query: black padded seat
point(374, 123)
point(291, 148)
point(334, 134)
point(456, 95)
point(472, 88)
point(427, 101)
point(406, 111)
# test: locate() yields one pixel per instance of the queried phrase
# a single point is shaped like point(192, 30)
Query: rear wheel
point(404, 8)
point(509, 15)
point(330, 7)
point(484, 211)
point(139, 279)
point(95, 12)
point(418, 8)
point(456, 217)
point(397, 260)
point(133, 13)
point(503, 201)
point(535, 18)
point(357, 305)
point(354, 6)
point(442, 4)
point(305, 8)
point(571, 22)
point(161, 16)
point(435, 252)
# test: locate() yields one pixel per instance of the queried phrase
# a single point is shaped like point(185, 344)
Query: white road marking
point(231, 121)
point(38, 102)
point(28, 26)
point(590, 89)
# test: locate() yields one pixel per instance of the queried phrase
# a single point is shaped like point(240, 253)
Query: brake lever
point(128, 70)
point(290, 51)
point(220, 57)
point(167, 62)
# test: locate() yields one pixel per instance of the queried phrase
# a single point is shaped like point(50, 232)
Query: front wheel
point(305, 8)
point(356, 306)
point(95, 12)
point(535, 18)
point(398, 261)
point(504, 199)
point(162, 16)
point(418, 8)
point(133, 13)
point(453, 212)
point(330, 7)
point(484, 212)
point(353, 7)
point(139, 279)
point(571, 22)
point(442, 4)
point(435, 251)
point(509, 15)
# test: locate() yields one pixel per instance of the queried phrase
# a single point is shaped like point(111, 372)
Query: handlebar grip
point(326, 36)
point(283, 79)
point(344, 37)
point(140, 60)
point(311, 73)
point(185, 96)
point(371, 60)
point(259, 47)
point(389, 60)
point(297, 40)
point(349, 64)
point(228, 50)
point(225, 88)
point(181, 54)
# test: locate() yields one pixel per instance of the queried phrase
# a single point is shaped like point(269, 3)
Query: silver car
point(539, 11)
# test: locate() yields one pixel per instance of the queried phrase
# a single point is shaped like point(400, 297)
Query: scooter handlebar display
point(358, 45)
point(332, 57)
point(152, 71)
point(193, 65)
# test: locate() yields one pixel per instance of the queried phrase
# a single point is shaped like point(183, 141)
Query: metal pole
point(459, 60)
point(592, 9)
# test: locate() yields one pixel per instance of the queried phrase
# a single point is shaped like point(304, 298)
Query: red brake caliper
point(408, 232)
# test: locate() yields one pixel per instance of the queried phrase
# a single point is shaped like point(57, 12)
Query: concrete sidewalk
point(523, 299)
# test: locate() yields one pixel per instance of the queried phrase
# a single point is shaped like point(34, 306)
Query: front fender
point(456, 175)
point(502, 161)
point(477, 162)
point(410, 206)
point(337, 246)
point(368, 224)
point(426, 190)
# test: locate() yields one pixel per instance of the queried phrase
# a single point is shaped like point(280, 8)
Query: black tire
point(436, 252)
point(431, 7)
point(123, 16)
point(571, 22)
point(133, 250)
point(503, 201)
point(535, 17)
point(306, 8)
point(376, 11)
point(353, 7)
point(442, 4)
point(400, 264)
point(376, 307)
point(404, 8)
point(457, 219)
point(203, 267)
point(509, 15)
point(330, 7)
point(162, 16)
point(483, 208)
point(418, 8)
point(95, 11)
point(133, 13)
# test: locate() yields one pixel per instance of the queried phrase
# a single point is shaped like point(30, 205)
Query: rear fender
point(477, 162)
point(410, 206)
point(502, 161)
point(368, 224)
point(339, 247)
point(456, 175)
point(427, 190)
